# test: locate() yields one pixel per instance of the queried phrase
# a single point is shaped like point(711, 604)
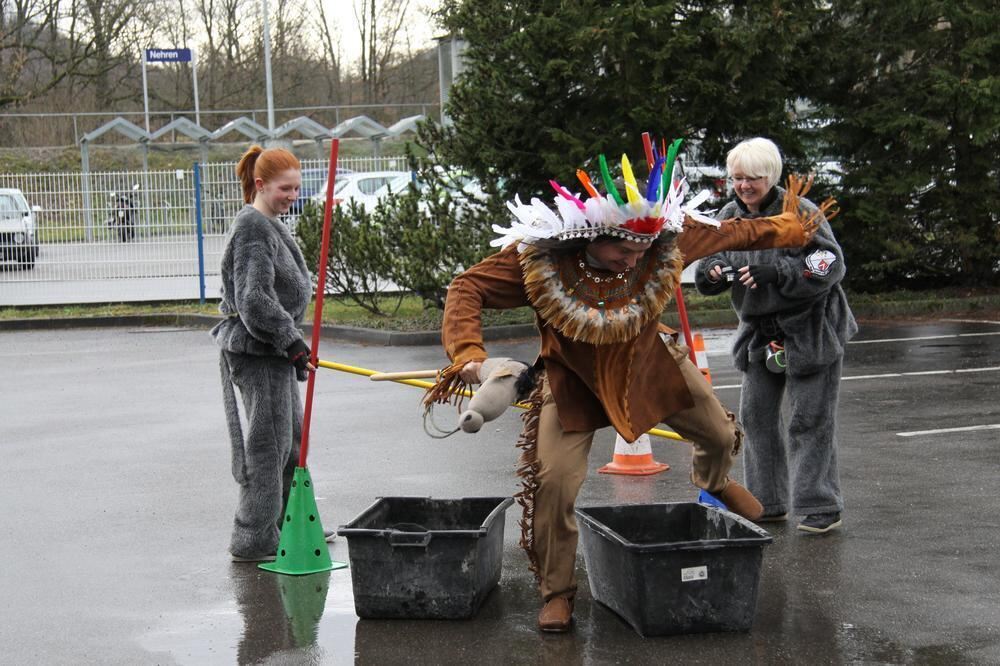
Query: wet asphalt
point(118, 499)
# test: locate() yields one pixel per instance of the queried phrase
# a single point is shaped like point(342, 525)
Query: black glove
point(726, 269)
point(298, 354)
point(763, 274)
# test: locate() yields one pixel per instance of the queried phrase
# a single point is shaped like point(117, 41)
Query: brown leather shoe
point(740, 501)
point(556, 615)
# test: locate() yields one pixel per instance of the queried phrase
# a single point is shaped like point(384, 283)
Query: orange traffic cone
point(701, 356)
point(635, 459)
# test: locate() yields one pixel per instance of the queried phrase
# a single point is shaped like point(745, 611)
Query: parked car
point(313, 183)
point(368, 188)
point(397, 185)
point(455, 180)
point(365, 187)
point(18, 233)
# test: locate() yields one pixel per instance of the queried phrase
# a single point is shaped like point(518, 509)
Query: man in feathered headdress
point(598, 274)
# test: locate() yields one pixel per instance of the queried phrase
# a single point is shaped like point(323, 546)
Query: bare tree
point(291, 56)
point(330, 52)
point(232, 29)
point(206, 12)
point(115, 27)
point(176, 30)
point(35, 57)
point(379, 26)
point(227, 25)
point(413, 77)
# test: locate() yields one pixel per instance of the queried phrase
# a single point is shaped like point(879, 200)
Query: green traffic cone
point(304, 599)
point(302, 548)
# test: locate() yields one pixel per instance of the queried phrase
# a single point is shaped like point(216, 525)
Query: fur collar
point(564, 298)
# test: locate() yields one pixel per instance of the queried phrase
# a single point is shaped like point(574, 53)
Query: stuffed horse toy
point(503, 382)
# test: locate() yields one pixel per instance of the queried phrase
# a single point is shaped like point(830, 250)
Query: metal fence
point(27, 129)
point(135, 235)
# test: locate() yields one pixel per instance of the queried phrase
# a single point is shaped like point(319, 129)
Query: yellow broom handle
point(330, 365)
point(410, 374)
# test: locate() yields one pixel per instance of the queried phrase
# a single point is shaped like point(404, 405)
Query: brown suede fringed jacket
point(605, 362)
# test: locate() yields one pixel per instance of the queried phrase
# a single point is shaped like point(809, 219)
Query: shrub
point(414, 241)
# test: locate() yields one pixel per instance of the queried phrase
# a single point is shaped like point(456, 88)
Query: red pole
point(324, 253)
point(682, 313)
point(647, 145)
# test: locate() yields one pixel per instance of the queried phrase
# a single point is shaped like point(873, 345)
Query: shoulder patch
point(819, 262)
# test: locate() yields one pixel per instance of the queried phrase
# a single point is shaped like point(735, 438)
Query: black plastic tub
point(422, 558)
point(673, 568)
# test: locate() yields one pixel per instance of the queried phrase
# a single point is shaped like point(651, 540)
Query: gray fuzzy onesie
point(266, 288)
point(808, 310)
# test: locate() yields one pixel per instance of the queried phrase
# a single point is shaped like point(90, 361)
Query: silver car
point(18, 234)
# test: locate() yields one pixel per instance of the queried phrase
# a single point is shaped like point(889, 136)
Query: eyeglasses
point(749, 180)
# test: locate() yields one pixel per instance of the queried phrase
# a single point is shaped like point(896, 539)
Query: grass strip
point(413, 316)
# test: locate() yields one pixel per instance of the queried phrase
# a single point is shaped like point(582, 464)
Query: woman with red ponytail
point(266, 289)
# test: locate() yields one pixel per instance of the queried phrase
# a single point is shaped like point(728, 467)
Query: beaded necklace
point(597, 278)
point(605, 288)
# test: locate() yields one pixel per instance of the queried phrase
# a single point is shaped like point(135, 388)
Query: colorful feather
point(664, 175)
point(584, 179)
point(566, 195)
point(653, 186)
point(631, 187)
point(675, 147)
point(647, 145)
point(609, 182)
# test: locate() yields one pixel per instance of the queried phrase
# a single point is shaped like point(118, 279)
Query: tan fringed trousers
point(562, 468)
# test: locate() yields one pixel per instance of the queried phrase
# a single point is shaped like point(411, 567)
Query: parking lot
point(119, 500)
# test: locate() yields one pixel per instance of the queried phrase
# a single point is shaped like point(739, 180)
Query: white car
point(18, 235)
point(368, 188)
point(470, 186)
point(365, 188)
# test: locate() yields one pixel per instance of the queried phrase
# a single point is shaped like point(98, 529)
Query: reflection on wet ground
point(280, 612)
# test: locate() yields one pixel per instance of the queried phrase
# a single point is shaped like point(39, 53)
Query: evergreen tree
point(905, 95)
point(548, 85)
point(914, 97)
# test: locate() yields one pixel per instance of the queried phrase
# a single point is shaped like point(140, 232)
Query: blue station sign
point(168, 55)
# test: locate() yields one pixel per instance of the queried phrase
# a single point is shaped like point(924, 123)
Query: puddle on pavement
point(868, 645)
point(268, 616)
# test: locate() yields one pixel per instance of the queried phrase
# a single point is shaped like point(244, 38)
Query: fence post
point(88, 203)
point(200, 232)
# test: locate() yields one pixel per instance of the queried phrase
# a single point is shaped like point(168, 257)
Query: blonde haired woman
point(794, 325)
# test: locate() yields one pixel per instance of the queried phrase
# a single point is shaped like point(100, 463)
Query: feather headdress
point(642, 216)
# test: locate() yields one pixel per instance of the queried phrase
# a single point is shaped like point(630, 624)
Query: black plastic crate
point(673, 568)
point(416, 557)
